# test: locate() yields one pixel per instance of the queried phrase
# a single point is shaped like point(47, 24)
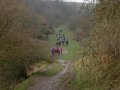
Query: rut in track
point(55, 82)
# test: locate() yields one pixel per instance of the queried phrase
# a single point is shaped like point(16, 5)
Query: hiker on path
point(52, 51)
point(61, 50)
point(60, 31)
point(67, 42)
point(58, 43)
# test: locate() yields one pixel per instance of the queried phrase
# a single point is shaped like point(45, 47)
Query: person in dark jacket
point(67, 42)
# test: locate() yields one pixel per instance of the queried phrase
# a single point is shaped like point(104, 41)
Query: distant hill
point(55, 12)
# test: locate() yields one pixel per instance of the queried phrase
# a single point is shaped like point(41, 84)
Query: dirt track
point(52, 83)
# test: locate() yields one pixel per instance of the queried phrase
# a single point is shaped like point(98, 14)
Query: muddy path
point(52, 83)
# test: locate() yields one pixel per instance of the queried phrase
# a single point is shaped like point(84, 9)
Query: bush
point(22, 41)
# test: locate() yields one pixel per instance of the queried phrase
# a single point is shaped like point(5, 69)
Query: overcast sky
point(79, 0)
point(74, 0)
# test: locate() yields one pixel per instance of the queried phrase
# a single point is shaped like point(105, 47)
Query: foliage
point(82, 23)
point(25, 84)
point(104, 43)
point(56, 12)
point(105, 40)
point(98, 68)
point(22, 41)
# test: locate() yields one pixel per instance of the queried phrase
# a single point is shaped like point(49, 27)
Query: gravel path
point(54, 82)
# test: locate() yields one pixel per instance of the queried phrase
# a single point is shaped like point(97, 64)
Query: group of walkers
point(61, 40)
point(56, 50)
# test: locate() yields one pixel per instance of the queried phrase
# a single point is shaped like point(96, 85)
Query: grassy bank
point(83, 79)
point(51, 71)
